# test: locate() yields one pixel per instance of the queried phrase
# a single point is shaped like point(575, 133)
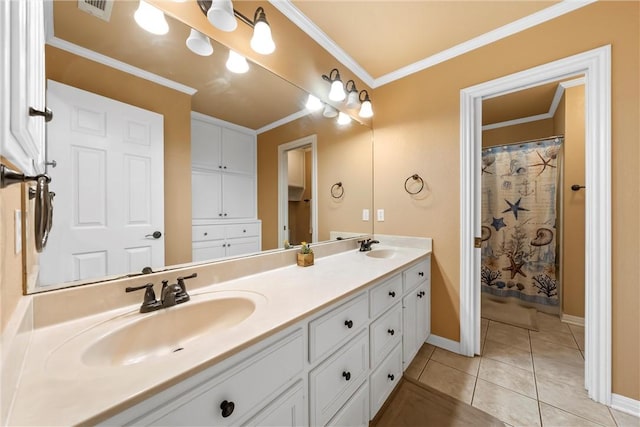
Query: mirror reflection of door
point(299, 204)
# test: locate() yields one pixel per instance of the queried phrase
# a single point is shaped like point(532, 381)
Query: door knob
point(155, 235)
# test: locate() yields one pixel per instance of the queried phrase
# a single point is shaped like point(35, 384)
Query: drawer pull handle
point(391, 377)
point(422, 292)
point(392, 294)
point(244, 231)
point(206, 234)
point(348, 323)
point(346, 375)
point(391, 331)
point(227, 408)
point(421, 273)
point(419, 294)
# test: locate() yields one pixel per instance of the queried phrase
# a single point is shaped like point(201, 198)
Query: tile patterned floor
point(524, 378)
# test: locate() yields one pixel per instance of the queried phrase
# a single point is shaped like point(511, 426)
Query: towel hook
point(337, 190)
point(415, 177)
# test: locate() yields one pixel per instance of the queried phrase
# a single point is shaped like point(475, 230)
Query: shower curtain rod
point(525, 142)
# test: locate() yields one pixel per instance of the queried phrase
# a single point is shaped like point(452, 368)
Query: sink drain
point(178, 349)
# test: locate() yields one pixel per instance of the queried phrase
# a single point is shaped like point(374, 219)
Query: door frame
point(283, 191)
point(596, 67)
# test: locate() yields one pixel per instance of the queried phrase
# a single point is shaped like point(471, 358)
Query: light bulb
point(313, 103)
point(343, 119)
point(221, 15)
point(237, 63)
point(329, 112)
point(199, 44)
point(366, 110)
point(151, 19)
point(261, 41)
point(337, 91)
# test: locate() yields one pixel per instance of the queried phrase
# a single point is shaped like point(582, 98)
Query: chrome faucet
point(365, 245)
point(169, 296)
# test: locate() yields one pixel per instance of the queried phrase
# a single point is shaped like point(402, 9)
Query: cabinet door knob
point(220, 214)
point(348, 323)
point(419, 294)
point(391, 331)
point(224, 167)
point(346, 375)
point(225, 214)
point(227, 408)
point(219, 166)
point(244, 231)
point(206, 234)
point(421, 273)
point(391, 377)
point(392, 294)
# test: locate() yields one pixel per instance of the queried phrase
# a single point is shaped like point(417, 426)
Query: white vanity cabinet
point(224, 240)
point(23, 84)
point(417, 309)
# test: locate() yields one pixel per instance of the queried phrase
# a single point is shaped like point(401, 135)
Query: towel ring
point(415, 177)
point(337, 190)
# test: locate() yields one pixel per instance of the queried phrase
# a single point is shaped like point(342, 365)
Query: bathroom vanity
point(322, 345)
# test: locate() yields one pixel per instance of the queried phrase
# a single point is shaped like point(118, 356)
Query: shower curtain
point(520, 202)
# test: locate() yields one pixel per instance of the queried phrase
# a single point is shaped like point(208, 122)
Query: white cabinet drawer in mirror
point(329, 330)
point(334, 381)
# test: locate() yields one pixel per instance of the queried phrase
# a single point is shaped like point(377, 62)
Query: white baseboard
point(573, 320)
point(445, 343)
point(625, 404)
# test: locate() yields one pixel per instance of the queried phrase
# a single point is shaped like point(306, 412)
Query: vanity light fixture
point(343, 119)
point(329, 112)
point(199, 44)
point(222, 15)
point(237, 63)
point(366, 110)
point(151, 18)
point(313, 103)
point(336, 93)
point(352, 95)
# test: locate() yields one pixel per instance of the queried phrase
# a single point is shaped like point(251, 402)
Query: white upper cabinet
point(238, 151)
point(23, 84)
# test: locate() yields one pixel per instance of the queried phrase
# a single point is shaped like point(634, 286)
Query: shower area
point(521, 220)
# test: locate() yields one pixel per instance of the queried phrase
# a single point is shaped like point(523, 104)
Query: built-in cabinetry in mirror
point(116, 59)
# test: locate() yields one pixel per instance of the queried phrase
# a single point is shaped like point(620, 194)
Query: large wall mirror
point(88, 53)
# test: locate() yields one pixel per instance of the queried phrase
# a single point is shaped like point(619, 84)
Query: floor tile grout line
point(535, 381)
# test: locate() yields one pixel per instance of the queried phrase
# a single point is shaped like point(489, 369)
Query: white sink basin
point(136, 338)
point(382, 253)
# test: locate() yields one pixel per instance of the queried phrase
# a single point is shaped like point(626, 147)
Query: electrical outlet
point(18, 228)
point(380, 215)
point(365, 214)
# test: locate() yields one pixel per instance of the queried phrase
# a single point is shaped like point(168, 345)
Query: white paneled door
point(109, 187)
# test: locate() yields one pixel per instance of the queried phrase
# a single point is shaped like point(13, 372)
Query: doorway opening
point(596, 67)
point(297, 190)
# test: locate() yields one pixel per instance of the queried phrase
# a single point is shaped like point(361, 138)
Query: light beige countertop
point(57, 387)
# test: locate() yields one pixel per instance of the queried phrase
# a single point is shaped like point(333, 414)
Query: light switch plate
point(18, 228)
point(380, 215)
point(365, 214)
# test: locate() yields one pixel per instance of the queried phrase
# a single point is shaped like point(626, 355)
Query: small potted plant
point(305, 256)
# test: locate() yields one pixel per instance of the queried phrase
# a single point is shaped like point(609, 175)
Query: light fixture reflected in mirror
point(151, 19)
point(199, 44)
point(343, 119)
point(336, 93)
point(329, 112)
point(313, 103)
point(237, 63)
point(352, 95)
point(221, 15)
point(262, 42)
point(366, 110)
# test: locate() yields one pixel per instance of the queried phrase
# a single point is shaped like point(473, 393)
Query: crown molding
point(312, 30)
point(517, 121)
point(118, 65)
point(282, 121)
point(305, 24)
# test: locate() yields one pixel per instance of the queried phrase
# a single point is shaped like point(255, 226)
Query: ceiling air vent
point(98, 8)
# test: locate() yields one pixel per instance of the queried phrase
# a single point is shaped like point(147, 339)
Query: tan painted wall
point(517, 133)
point(175, 106)
point(344, 154)
point(573, 227)
point(10, 262)
point(417, 130)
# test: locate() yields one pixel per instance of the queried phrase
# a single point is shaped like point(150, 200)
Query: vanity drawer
point(356, 411)
point(242, 230)
point(416, 274)
point(200, 233)
point(385, 333)
point(332, 328)
point(248, 386)
point(335, 380)
point(385, 378)
point(385, 295)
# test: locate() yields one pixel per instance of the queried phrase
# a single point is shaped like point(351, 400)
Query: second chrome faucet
point(170, 295)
